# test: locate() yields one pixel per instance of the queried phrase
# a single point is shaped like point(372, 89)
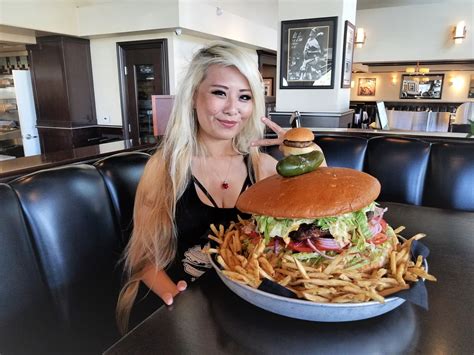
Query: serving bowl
point(308, 310)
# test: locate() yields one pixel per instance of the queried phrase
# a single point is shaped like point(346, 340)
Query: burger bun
point(299, 134)
point(324, 192)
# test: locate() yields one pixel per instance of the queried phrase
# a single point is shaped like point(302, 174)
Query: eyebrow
point(226, 87)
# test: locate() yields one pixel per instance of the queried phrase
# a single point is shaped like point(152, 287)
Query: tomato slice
point(383, 223)
point(302, 247)
point(254, 237)
point(379, 238)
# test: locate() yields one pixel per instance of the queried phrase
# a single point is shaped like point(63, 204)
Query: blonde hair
point(168, 171)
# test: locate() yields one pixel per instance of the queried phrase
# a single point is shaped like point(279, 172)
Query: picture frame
point(268, 86)
point(428, 86)
point(366, 87)
point(308, 53)
point(470, 93)
point(347, 54)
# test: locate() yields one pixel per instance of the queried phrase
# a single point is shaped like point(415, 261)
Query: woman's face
point(223, 102)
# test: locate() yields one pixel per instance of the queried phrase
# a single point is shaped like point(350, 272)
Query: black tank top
point(193, 218)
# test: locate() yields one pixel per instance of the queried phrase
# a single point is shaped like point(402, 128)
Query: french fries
point(249, 263)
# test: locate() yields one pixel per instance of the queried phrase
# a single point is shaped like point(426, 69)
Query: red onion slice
point(312, 246)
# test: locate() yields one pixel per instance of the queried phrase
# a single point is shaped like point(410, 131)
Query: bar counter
point(453, 137)
point(9, 169)
point(458, 137)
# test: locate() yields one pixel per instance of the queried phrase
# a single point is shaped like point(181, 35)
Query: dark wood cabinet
point(64, 94)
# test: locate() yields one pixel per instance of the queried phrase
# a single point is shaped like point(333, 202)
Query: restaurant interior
point(95, 106)
point(86, 90)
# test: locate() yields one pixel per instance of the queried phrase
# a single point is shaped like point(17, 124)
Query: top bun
point(324, 192)
point(299, 134)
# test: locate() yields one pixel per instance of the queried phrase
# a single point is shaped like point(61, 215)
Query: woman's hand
point(168, 297)
point(159, 282)
point(273, 141)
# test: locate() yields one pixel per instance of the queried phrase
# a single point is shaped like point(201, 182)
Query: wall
point(388, 87)
point(204, 19)
point(18, 35)
point(44, 15)
point(245, 21)
point(317, 100)
point(126, 16)
point(106, 73)
point(416, 32)
point(264, 12)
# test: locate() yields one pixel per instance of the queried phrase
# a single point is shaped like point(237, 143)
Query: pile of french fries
point(326, 282)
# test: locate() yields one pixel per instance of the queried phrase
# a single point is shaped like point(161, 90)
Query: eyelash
point(222, 93)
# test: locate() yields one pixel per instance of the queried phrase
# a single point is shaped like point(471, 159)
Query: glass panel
point(145, 88)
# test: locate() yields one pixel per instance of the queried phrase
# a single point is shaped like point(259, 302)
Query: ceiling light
point(417, 70)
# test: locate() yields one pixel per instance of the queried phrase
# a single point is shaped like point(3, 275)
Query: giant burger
point(319, 215)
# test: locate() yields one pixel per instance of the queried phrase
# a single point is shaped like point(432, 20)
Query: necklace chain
point(225, 183)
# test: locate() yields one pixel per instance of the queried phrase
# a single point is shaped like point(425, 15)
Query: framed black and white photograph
point(308, 53)
point(347, 55)
point(421, 86)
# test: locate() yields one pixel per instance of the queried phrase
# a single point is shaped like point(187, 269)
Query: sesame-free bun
point(299, 134)
point(324, 192)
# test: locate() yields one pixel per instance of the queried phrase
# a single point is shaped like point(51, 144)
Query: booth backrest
point(61, 246)
point(345, 152)
point(450, 177)
point(410, 170)
point(121, 173)
point(400, 166)
point(25, 304)
point(73, 228)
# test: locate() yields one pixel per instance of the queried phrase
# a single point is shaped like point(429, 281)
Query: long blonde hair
point(167, 173)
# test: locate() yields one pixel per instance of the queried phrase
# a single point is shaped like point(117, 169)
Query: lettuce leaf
point(271, 227)
point(350, 227)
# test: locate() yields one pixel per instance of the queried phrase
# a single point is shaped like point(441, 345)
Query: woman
point(194, 179)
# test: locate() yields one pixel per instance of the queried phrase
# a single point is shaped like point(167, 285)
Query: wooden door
point(143, 73)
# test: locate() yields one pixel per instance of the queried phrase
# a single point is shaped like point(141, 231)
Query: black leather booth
point(62, 232)
point(410, 170)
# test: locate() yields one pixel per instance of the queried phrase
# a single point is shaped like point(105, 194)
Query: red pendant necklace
point(225, 184)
